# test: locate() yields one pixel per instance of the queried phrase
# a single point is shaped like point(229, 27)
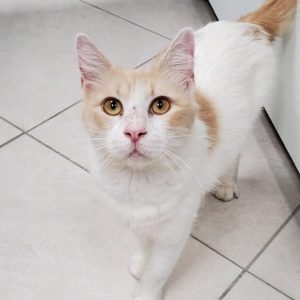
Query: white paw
point(137, 265)
point(226, 192)
point(147, 297)
point(145, 293)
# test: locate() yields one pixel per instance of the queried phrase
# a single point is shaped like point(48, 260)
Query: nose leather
point(135, 134)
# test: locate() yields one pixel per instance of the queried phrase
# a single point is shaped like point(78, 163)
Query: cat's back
point(234, 69)
point(231, 55)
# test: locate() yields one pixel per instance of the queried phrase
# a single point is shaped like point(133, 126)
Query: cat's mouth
point(136, 154)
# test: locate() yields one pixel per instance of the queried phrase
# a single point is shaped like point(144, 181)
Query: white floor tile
point(250, 288)
point(166, 17)
point(66, 133)
point(200, 274)
point(57, 240)
point(38, 66)
point(280, 263)
point(240, 228)
point(7, 132)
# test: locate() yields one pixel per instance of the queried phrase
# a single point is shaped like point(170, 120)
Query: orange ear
point(92, 64)
point(178, 59)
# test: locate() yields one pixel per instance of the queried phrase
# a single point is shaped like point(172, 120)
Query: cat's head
point(139, 117)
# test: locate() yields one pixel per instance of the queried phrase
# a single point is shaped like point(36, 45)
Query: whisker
point(176, 157)
point(191, 135)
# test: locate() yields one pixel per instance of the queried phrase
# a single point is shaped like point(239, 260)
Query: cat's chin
point(138, 160)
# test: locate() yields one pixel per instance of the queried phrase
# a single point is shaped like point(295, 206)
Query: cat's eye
point(160, 105)
point(112, 106)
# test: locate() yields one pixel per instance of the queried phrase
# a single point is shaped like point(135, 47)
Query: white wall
point(231, 10)
point(284, 109)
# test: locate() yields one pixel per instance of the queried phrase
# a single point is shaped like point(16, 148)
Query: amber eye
point(160, 105)
point(112, 106)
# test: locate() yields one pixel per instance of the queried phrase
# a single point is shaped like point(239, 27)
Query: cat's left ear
point(178, 59)
point(92, 64)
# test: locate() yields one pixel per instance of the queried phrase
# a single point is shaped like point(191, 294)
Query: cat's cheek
point(119, 147)
point(153, 148)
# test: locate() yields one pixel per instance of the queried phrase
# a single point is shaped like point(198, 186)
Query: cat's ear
point(92, 64)
point(178, 59)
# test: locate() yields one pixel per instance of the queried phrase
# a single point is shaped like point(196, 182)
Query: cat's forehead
point(134, 82)
point(133, 85)
point(139, 86)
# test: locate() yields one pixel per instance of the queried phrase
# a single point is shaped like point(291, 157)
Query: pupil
point(113, 105)
point(160, 104)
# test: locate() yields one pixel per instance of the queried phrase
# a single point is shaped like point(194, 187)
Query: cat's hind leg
point(227, 187)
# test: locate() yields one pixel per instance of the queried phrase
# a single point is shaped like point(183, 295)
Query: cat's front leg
point(138, 260)
point(161, 261)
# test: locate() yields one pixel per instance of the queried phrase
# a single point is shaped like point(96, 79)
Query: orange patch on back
point(208, 115)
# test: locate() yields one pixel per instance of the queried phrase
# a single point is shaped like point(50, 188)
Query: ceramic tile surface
point(39, 43)
point(58, 240)
point(66, 133)
point(252, 288)
point(166, 17)
point(7, 132)
point(55, 233)
point(200, 274)
point(240, 228)
point(280, 263)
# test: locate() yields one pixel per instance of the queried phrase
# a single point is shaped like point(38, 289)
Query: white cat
point(166, 134)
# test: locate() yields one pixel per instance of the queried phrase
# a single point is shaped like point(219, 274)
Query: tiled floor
point(57, 241)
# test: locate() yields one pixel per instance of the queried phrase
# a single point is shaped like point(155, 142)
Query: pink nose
point(135, 135)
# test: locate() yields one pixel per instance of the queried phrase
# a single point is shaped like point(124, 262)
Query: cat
point(164, 135)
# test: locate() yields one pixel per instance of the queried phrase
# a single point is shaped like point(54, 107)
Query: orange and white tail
point(274, 16)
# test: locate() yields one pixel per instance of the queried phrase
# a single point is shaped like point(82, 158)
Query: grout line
point(57, 152)
point(270, 285)
point(11, 140)
point(41, 142)
point(273, 236)
point(146, 61)
point(260, 252)
point(216, 251)
point(232, 284)
point(12, 124)
point(128, 21)
point(39, 124)
point(53, 116)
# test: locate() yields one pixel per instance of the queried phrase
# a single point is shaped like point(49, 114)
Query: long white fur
point(159, 204)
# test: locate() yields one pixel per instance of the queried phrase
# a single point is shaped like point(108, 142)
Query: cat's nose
point(135, 135)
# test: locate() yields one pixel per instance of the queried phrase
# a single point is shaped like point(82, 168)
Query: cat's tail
point(274, 16)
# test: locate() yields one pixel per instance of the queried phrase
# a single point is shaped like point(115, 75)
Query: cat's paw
point(226, 192)
point(137, 265)
point(143, 292)
point(147, 297)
